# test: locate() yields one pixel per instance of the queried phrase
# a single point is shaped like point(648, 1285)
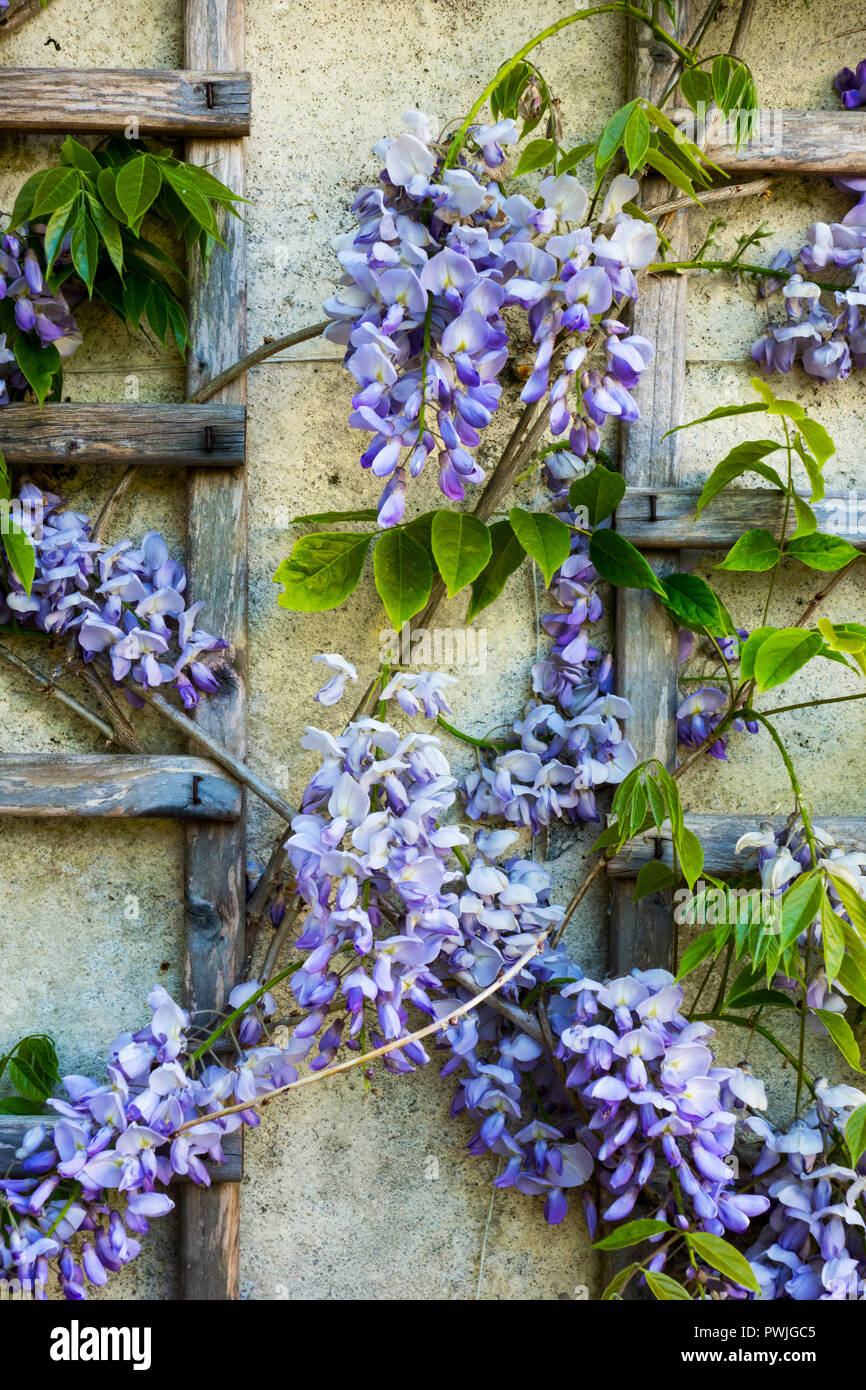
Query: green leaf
point(109, 231)
point(693, 603)
point(817, 440)
point(322, 570)
point(599, 491)
point(813, 470)
point(721, 412)
point(85, 249)
point(536, 155)
point(691, 855)
point(77, 157)
point(619, 1281)
point(853, 904)
point(696, 87)
point(652, 877)
point(43, 194)
point(801, 904)
point(612, 136)
point(37, 363)
point(665, 1288)
point(637, 138)
point(403, 575)
point(821, 551)
point(749, 650)
point(507, 555)
point(195, 202)
point(19, 551)
point(617, 560)
point(832, 939)
point(720, 1255)
point(544, 537)
point(106, 184)
point(136, 185)
point(570, 160)
point(790, 409)
point(19, 1105)
point(807, 522)
point(632, 1233)
point(696, 952)
point(755, 550)
point(33, 1067)
point(461, 548)
point(843, 1037)
point(363, 514)
point(782, 654)
point(136, 290)
point(745, 458)
point(56, 228)
point(673, 173)
point(855, 1135)
point(420, 528)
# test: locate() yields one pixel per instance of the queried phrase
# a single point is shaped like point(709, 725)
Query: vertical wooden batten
point(217, 560)
point(646, 638)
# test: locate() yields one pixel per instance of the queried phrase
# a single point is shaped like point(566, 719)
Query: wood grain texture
point(787, 142)
point(18, 13)
point(117, 786)
point(109, 99)
point(719, 834)
point(664, 518)
point(645, 645)
point(14, 1127)
point(174, 435)
point(217, 559)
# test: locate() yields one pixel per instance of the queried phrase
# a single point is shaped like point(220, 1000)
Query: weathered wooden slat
point(112, 99)
point(645, 647)
point(786, 142)
point(14, 1127)
point(719, 835)
point(664, 518)
point(217, 557)
point(121, 786)
point(161, 435)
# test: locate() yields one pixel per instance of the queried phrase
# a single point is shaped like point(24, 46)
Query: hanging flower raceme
point(570, 740)
point(37, 310)
point(812, 1243)
point(127, 602)
point(438, 256)
point(827, 337)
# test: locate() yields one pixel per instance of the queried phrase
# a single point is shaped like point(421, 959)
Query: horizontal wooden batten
point(719, 835)
point(184, 436)
point(785, 142)
point(114, 99)
point(664, 518)
point(89, 785)
point(14, 1127)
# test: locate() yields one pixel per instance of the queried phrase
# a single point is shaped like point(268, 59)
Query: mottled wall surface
point(348, 1197)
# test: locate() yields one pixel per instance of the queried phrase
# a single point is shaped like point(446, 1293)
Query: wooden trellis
point(209, 106)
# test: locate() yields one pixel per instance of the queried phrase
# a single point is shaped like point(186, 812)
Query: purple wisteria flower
point(438, 256)
point(825, 335)
point(37, 309)
point(570, 740)
point(119, 600)
point(700, 713)
point(851, 86)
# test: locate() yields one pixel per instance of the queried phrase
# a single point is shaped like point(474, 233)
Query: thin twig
point(715, 195)
point(124, 733)
point(18, 13)
point(352, 1062)
point(269, 348)
point(281, 936)
point(55, 693)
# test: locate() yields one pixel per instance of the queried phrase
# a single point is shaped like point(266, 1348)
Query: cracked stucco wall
point(340, 1199)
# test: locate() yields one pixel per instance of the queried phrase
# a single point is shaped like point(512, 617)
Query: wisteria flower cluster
point(37, 310)
point(571, 740)
point(701, 712)
point(828, 340)
point(124, 601)
point(812, 1245)
point(440, 254)
point(652, 1108)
